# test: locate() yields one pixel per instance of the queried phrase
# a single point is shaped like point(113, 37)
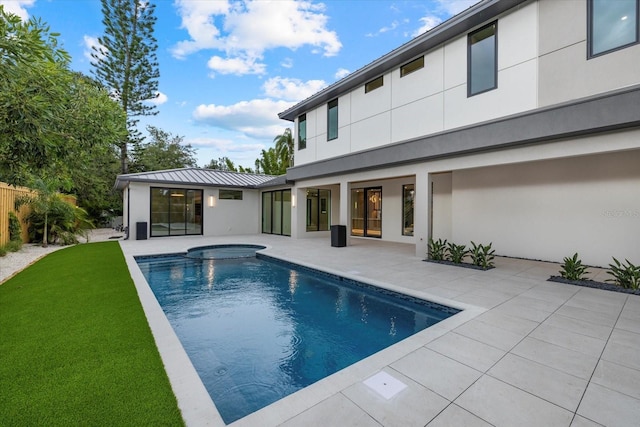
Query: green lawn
point(75, 346)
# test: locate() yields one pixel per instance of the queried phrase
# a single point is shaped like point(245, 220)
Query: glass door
point(374, 212)
point(366, 212)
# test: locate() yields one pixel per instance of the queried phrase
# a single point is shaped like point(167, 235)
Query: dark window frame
point(229, 192)
point(590, 16)
point(302, 142)
point(198, 211)
point(412, 66)
point(404, 203)
point(330, 105)
point(271, 195)
point(470, 93)
point(374, 84)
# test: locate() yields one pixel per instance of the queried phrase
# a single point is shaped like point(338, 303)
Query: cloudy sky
point(228, 67)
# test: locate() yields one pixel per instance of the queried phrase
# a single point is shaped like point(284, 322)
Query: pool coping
point(194, 401)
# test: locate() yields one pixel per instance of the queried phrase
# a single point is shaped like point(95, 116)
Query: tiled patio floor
point(524, 352)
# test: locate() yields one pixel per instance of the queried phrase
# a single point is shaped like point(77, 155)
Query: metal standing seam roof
point(196, 176)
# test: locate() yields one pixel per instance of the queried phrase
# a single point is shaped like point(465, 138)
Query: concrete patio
point(524, 352)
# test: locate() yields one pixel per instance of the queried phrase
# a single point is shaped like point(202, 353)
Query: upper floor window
point(412, 66)
point(302, 132)
point(612, 25)
point(482, 69)
point(374, 84)
point(332, 120)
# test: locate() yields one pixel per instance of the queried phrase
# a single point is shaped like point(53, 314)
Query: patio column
point(421, 212)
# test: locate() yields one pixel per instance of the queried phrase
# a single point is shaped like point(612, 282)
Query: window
point(302, 132)
point(407, 209)
point(332, 120)
point(276, 212)
point(374, 84)
point(366, 212)
point(612, 25)
point(318, 209)
point(412, 66)
point(175, 212)
point(482, 70)
point(230, 194)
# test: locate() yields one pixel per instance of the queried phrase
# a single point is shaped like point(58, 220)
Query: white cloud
point(256, 118)
point(224, 145)
point(428, 22)
point(158, 100)
point(292, 89)
point(342, 73)
point(245, 29)
point(17, 7)
point(453, 7)
point(89, 44)
point(287, 63)
point(238, 66)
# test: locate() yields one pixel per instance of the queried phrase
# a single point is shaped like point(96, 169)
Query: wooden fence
point(8, 196)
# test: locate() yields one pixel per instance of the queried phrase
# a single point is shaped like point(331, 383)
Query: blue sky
point(227, 68)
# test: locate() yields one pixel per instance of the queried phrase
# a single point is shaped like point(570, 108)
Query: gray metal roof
point(455, 26)
point(196, 176)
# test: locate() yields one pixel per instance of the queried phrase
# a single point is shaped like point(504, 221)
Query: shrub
point(457, 252)
point(627, 276)
point(3, 251)
point(436, 249)
point(15, 230)
point(572, 268)
point(64, 223)
point(482, 255)
point(13, 246)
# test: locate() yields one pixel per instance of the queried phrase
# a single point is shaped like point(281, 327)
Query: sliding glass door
point(366, 212)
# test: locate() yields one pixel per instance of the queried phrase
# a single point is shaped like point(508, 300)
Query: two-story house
point(516, 122)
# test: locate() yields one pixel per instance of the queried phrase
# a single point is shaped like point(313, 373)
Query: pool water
point(257, 330)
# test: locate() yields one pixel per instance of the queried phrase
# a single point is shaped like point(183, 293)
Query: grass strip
point(75, 346)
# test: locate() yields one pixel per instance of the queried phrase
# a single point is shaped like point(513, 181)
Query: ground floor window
point(408, 192)
point(175, 212)
point(366, 212)
point(318, 209)
point(276, 212)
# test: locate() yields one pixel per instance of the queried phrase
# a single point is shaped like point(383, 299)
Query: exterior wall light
point(293, 200)
point(212, 201)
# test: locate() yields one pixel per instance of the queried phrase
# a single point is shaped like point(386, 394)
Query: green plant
point(13, 245)
point(482, 255)
point(627, 276)
point(15, 230)
point(436, 249)
point(572, 268)
point(457, 252)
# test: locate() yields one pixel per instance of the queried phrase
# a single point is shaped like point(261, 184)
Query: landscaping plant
point(457, 252)
point(572, 268)
point(482, 255)
point(627, 276)
point(436, 249)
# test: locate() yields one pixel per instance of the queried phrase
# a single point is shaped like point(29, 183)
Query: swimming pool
point(257, 329)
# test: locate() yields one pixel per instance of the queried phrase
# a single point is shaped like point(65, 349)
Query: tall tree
point(33, 82)
point(284, 148)
point(165, 151)
point(125, 61)
point(270, 164)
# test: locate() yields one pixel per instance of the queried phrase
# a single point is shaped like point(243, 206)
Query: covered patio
point(523, 352)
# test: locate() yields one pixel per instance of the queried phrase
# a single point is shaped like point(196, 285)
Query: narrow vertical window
point(332, 120)
point(612, 25)
point(407, 209)
point(302, 132)
point(482, 69)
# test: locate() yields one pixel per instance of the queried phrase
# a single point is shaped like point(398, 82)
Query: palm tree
point(284, 148)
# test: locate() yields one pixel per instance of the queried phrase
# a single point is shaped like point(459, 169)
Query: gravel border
point(593, 284)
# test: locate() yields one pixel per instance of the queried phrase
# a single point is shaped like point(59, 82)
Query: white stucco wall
point(227, 217)
point(551, 209)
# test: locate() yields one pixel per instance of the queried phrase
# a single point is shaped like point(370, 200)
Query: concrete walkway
point(524, 352)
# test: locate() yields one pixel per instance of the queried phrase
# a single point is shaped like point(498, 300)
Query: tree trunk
point(45, 239)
